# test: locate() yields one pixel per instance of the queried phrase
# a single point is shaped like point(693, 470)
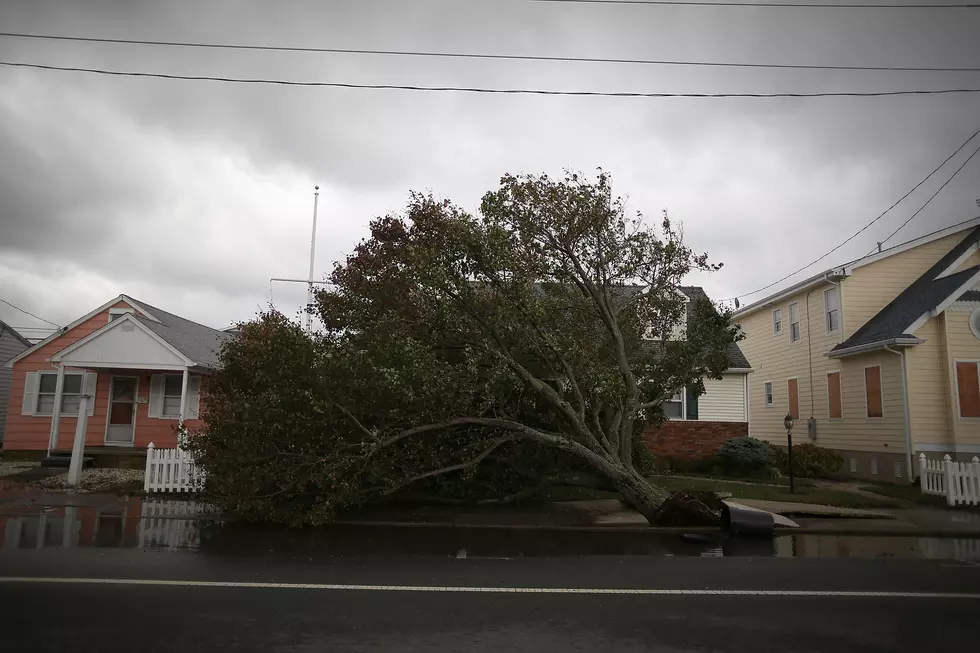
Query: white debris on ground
point(11, 468)
point(95, 480)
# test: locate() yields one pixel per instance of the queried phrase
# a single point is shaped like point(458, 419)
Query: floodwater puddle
point(178, 525)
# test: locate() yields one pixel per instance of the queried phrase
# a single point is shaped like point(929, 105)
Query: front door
point(122, 410)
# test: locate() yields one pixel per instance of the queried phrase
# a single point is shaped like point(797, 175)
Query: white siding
point(724, 400)
point(123, 344)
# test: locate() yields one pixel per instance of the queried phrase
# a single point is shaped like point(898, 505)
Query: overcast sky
point(190, 195)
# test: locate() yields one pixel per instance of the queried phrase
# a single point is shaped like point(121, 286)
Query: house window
point(835, 405)
point(171, 395)
point(674, 407)
point(872, 391)
point(777, 322)
point(831, 303)
point(794, 322)
point(793, 394)
point(768, 393)
point(70, 393)
point(968, 389)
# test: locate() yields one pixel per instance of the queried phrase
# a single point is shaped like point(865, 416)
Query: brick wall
point(691, 439)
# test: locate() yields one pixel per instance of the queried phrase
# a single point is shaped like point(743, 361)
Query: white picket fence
point(171, 470)
point(958, 482)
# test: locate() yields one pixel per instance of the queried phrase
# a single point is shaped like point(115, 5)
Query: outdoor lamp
point(788, 423)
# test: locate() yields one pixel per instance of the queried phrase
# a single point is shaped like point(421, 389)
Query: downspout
point(905, 405)
point(748, 403)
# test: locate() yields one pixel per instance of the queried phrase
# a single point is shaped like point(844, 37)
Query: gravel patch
point(11, 468)
point(96, 480)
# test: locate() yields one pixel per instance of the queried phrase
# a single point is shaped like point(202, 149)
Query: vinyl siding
point(10, 346)
point(871, 287)
point(27, 432)
point(929, 396)
point(962, 345)
point(776, 359)
point(724, 399)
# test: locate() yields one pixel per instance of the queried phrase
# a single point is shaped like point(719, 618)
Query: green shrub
point(745, 455)
point(809, 461)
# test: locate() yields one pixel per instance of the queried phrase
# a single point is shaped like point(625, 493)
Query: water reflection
point(178, 525)
point(134, 522)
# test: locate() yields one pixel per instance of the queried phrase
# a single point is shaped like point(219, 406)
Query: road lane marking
point(488, 590)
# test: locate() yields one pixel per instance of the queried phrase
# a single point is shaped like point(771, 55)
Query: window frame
point(840, 389)
point(826, 311)
point(956, 387)
point(777, 321)
point(799, 323)
point(881, 392)
point(37, 400)
point(682, 393)
point(768, 398)
point(164, 395)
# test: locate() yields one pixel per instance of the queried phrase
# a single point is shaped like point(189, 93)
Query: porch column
point(183, 396)
point(59, 388)
point(78, 448)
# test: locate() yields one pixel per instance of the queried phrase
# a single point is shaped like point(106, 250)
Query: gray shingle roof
point(924, 294)
point(199, 343)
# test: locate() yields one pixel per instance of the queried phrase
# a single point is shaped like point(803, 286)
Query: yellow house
point(877, 359)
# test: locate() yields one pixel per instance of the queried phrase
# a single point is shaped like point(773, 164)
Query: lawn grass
point(803, 494)
point(907, 492)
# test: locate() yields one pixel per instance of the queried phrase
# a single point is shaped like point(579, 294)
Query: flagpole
point(309, 292)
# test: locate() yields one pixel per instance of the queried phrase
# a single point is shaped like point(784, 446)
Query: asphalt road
point(62, 602)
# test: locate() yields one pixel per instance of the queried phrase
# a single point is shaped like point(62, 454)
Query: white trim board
point(109, 326)
point(88, 316)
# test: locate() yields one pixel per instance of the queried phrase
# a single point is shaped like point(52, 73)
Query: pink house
point(142, 368)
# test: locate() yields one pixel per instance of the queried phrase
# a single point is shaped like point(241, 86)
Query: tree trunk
point(639, 494)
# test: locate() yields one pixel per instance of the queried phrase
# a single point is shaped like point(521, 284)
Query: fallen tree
point(552, 317)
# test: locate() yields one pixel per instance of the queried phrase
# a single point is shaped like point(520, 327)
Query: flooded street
point(189, 526)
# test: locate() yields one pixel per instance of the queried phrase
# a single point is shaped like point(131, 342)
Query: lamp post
point(788, 423)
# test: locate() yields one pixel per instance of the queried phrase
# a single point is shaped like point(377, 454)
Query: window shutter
point(89, 385)
point(30, 394)
point(193, 397)
point(872, 388)
point(833, 389)
point(968, 386)
point(155, 407)
point(793, 390)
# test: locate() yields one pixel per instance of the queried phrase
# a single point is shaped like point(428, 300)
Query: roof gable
point(126, 342)
point(928, 294)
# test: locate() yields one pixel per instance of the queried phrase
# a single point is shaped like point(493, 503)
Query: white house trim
point(117, 324)
point(904, 247)
point(834, 274)
point(970, 251)
point(84, 318)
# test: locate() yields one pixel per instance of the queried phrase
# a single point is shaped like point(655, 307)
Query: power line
point(474, 89)
point(880, 216)
point(801, 5)
point(476, 55)
point(28, 312)
point(931, 197)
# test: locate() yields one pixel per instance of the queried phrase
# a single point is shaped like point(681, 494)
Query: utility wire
point(798, 5)
point(880, 216)
point(474, 89)
point(476, 55)
point(28, 312)
point(931, 197)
